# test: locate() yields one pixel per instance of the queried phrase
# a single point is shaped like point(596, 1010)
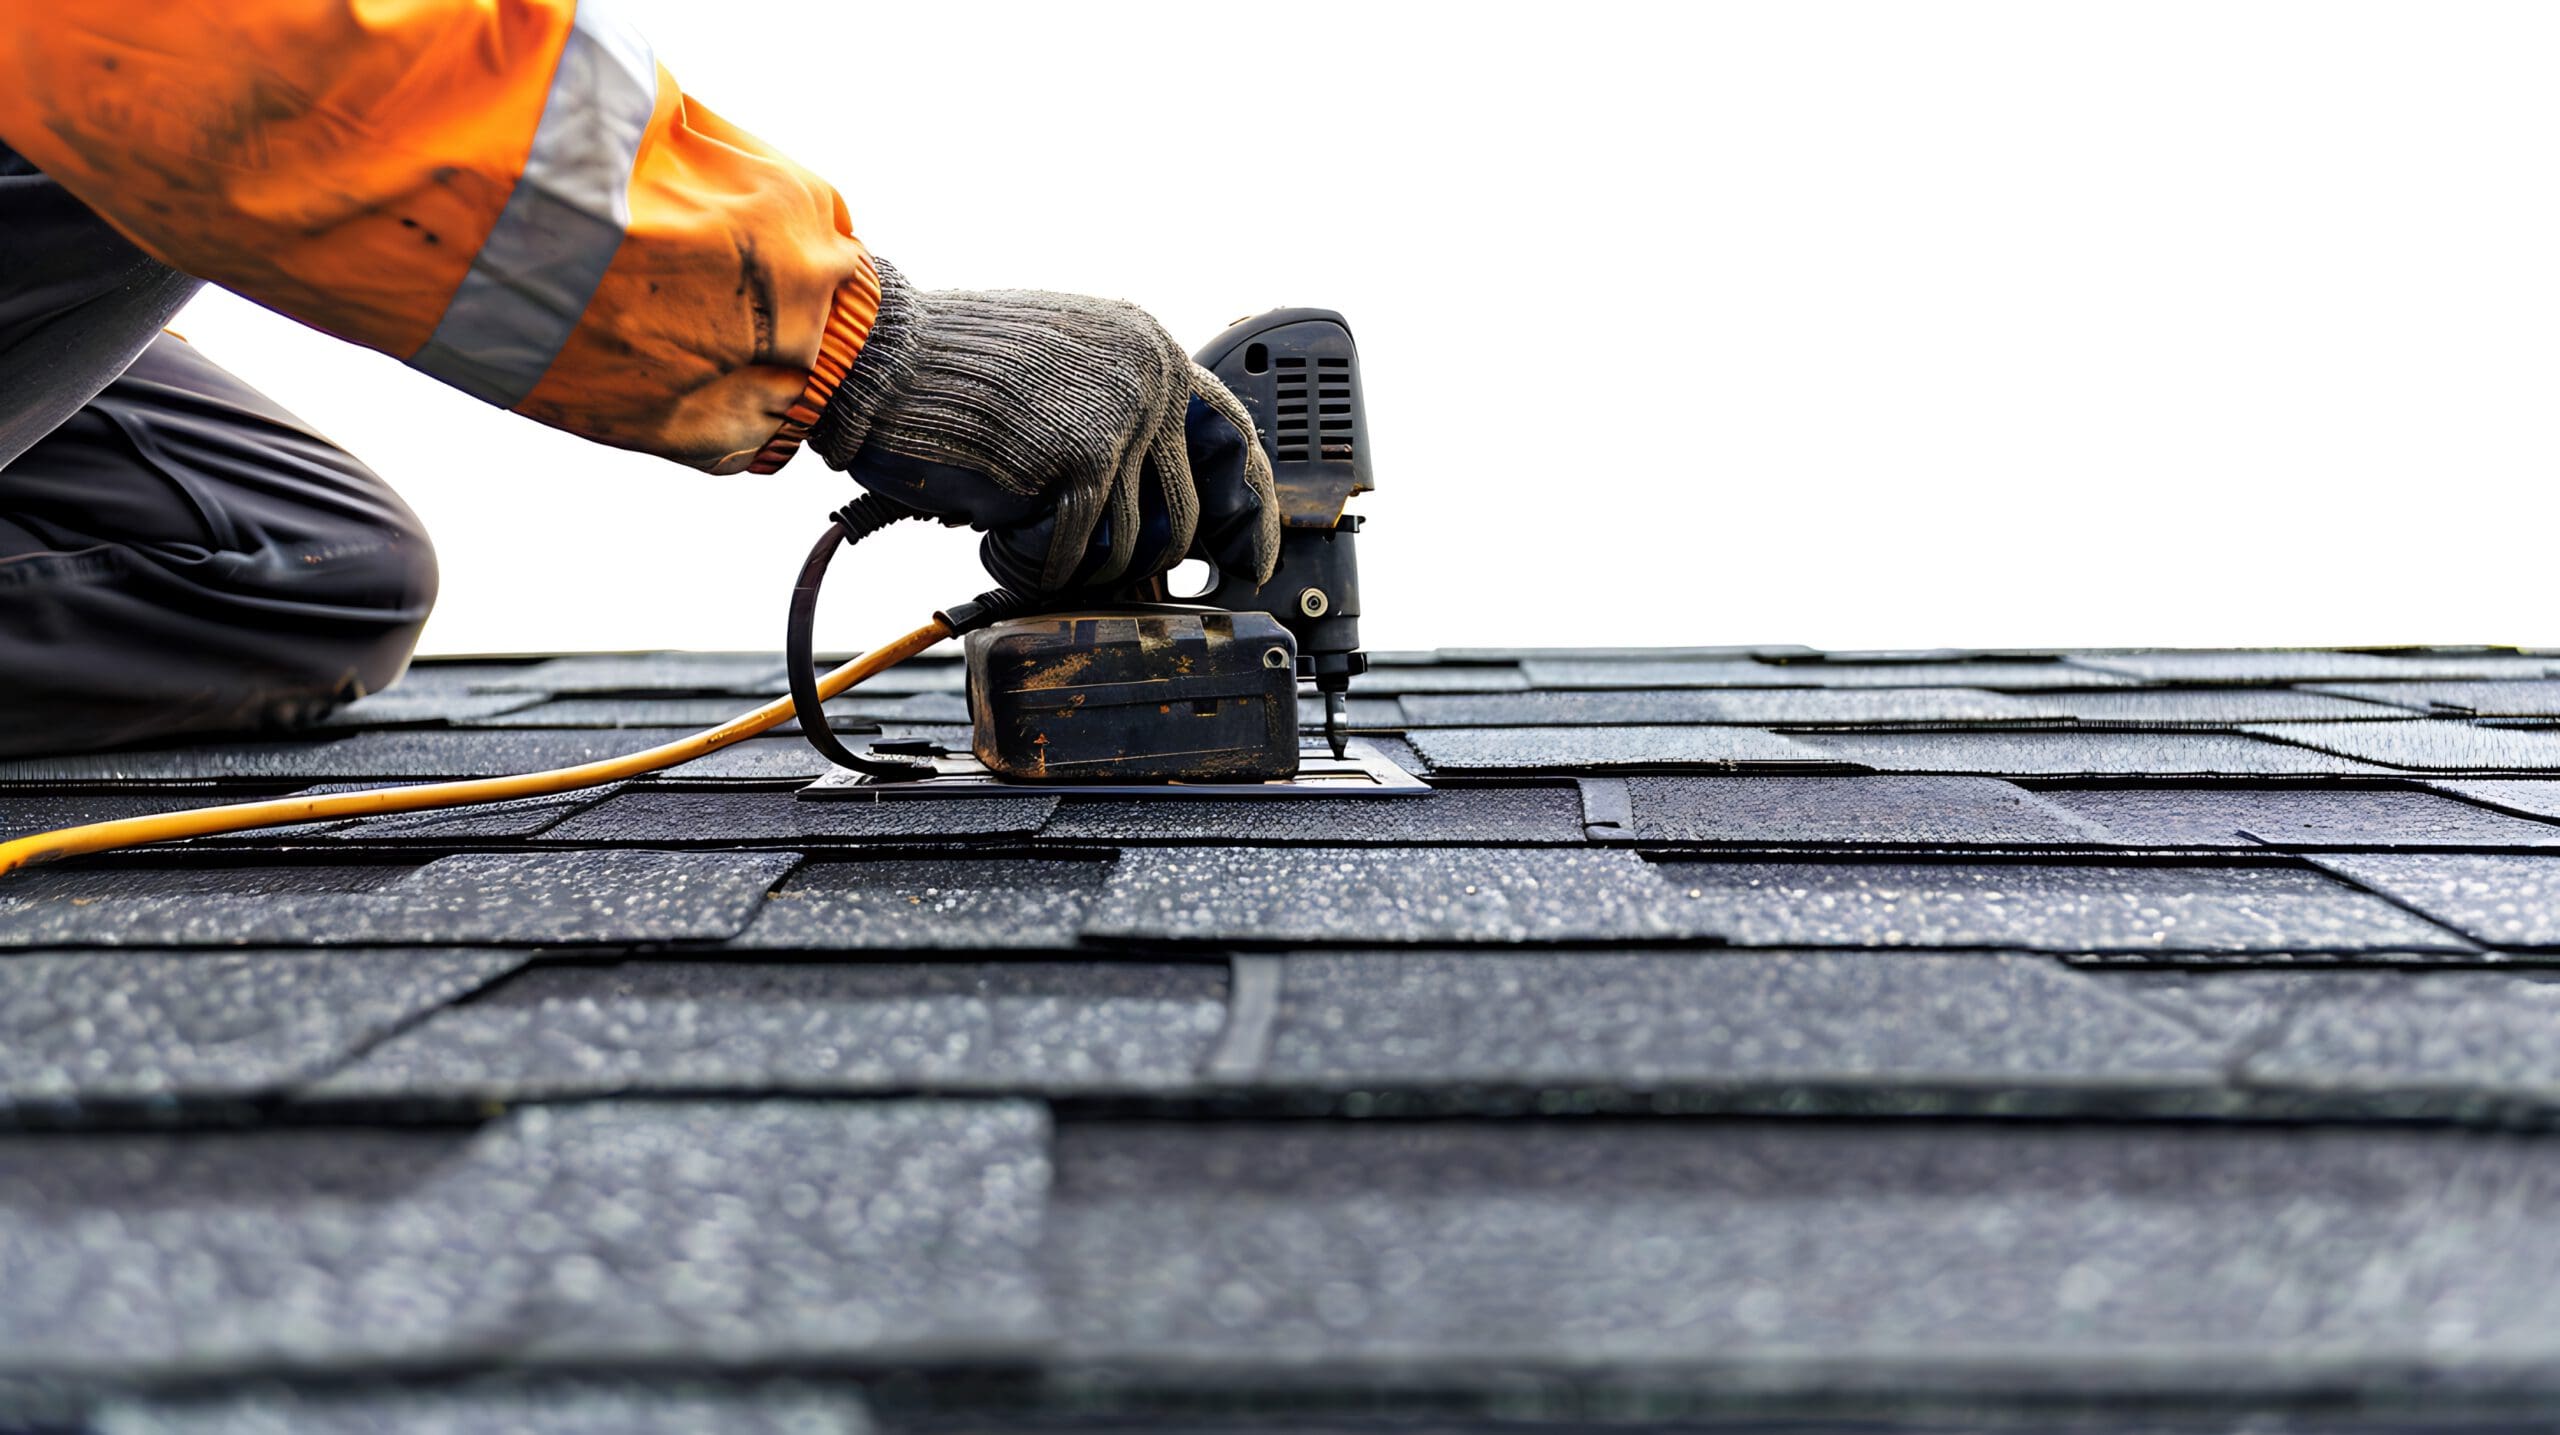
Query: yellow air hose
point(242, 816)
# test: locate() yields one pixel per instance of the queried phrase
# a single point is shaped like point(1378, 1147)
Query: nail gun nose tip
point(1337, 722)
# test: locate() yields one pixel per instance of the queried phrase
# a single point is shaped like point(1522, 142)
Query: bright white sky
point(1855, 325)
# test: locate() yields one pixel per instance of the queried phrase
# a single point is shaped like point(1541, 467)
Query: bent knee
point(207, 562)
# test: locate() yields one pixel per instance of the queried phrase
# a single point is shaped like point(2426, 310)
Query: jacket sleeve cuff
point(855, 310)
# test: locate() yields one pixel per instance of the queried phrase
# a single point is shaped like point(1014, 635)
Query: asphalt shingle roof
point(2135, 1040)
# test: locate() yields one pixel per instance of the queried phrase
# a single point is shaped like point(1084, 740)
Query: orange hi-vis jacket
point(512, 195)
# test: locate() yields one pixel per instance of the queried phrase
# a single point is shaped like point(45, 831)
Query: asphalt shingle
point(1606, 654)
point(1355, 895)
point(1771, 1021)
point(2473, 1034)
point(2310, 666)
point(2532, 797)
point(2427, 745)
point(1530, 749)
point(741, 674)
point(2504, 900)
point(2466, 1039)
point(30, 810)
point(985, 903)
point(2085, 754)
point(748, 1027)
point(133, 1026)
point(1399, 679)
point(1683, 1246)
point(1509, 816)
point(1400, 752)
point(923, 675)
point(2235, 1008)
point(463, 675)
point(428, 704)
point(467, 899)
point(390, 756)
point(2048, 907)
point(1784, 707)
point(519, 817)
point(2295, 818)
point(1584, 672)
point(1879, 810)
point(662, 1231)
point(2539, 698)
point(767, 759)
point(492, 1407)
point(2180, 708)
point(697, 818)
point(595, 1111)
point(857, 710)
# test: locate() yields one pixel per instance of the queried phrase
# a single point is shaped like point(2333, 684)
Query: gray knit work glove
point(1073, 431)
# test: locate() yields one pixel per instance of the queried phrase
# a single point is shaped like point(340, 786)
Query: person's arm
point(513, 196)
point(510, 195)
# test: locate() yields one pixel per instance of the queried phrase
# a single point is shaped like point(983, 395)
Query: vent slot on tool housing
point(1290, 419)
point(1333, 410)
point(1315, 425)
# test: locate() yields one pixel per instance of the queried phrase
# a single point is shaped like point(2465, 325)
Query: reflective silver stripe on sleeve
point(533, 277)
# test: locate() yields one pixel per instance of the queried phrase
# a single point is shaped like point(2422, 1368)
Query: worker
point(513, 197)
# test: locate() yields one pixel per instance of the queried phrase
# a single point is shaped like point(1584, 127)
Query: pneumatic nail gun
point(1195, 693)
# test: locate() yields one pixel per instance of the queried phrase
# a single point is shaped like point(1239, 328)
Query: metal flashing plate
point(1363, 771)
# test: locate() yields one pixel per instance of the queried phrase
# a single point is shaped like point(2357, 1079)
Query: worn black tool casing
point(1143, 692)
point(1298, 373)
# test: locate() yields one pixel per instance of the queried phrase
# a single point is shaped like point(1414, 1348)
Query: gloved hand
point(1073, 431)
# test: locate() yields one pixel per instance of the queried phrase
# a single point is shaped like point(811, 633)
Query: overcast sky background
point(1856, 325)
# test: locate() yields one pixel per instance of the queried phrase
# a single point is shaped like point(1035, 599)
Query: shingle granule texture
point(1738, 1038)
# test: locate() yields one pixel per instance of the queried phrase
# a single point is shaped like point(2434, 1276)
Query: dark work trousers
point(178, 554)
